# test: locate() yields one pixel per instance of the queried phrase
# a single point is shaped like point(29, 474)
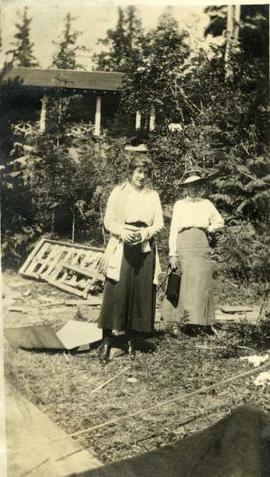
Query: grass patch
point(62, 385)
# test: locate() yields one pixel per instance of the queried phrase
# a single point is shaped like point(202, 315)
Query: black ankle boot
point(104, 352)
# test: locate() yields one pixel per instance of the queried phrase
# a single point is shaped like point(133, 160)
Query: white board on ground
point(79, 333)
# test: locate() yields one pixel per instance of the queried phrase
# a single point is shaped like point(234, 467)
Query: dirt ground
point(66, 385)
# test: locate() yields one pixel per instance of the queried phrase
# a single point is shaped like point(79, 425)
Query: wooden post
point(229, 35)
point(232, 33)
point(98, 116)
point(43, 112)
point(138, 120)
point(237, 10)
point(152, 120)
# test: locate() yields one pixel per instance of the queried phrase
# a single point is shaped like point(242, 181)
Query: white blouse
point(190, 212)
point(141, 206)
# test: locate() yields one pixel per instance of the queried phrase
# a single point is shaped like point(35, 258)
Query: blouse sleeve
point(110, 224)
point(173, 232)
point(216, 222)
point(158, 218)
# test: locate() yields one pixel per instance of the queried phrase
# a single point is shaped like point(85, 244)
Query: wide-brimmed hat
point(195, 177)
point(138, 148)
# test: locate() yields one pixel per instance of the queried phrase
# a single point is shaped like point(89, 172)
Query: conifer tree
point(66, 56)
point(121, 43)
point(22, 53)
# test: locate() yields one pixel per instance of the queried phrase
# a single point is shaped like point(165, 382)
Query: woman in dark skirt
point(133, 217)
point(194, 221)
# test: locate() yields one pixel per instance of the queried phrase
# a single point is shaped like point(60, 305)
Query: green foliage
point(121, 44)
point(58, 116)
point(17, 245)
point(253, 38)
point(223, 127)
point(153, 71)
point(151, 62)
point(169, 153)
point(18, 227)
point(22, 54)
point(242, 253)
point(254, 26)
point(65, 58)
point(64, 180)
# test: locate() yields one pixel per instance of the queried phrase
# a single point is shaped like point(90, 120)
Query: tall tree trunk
point(229, 37)
point(232, 34)
point(237, 21)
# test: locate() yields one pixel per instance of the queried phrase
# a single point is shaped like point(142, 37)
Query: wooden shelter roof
point(72, 79)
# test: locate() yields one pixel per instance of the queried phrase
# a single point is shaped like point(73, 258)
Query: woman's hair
point(141, 161)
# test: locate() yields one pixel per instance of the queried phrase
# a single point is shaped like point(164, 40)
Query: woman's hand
point(137, 238)
point(144, 235)
point(174, 263)
point(128, 236)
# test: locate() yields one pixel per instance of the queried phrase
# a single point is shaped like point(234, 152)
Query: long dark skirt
point(130, 303)
point(196, 303)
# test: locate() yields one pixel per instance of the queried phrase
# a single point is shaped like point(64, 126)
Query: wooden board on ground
point(238, 314)
point(33, 448)
point(72, 335)
point(91, 301)
point(79, 333)
point(33, 337)
point(71, 267)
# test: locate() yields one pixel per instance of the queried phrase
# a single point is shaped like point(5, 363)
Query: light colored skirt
point(195, 304)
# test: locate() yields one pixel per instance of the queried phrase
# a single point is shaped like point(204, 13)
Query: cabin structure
point(97, 95)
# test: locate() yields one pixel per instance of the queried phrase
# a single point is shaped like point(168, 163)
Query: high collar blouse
point(191, 212)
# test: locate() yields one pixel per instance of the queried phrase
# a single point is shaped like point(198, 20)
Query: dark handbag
point(173, 286)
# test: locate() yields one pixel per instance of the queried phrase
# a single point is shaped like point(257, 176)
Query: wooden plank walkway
point(31, 447)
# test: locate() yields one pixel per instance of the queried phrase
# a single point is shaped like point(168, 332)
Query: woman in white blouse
point(194, 219)
point(133, 216)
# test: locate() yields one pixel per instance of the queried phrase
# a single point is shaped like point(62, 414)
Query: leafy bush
point(16, 246)
point(242, 254)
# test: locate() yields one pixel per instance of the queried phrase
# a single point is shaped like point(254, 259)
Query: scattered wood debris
point(256, 360)
point(101, 386)
point(70, 267)
point(238, 313)
point(91, 301)
point(262, 379)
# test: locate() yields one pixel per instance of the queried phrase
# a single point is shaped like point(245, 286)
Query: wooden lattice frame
point(68, 266)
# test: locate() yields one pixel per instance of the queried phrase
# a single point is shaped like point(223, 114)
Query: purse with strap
point(173, 286)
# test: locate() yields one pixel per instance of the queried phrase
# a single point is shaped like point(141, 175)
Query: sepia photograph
point(135, 234)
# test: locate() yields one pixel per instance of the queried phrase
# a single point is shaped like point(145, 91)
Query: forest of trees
point(224, 127)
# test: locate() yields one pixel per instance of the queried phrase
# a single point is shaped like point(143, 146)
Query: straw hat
point(138, 148)
point(195, 177)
